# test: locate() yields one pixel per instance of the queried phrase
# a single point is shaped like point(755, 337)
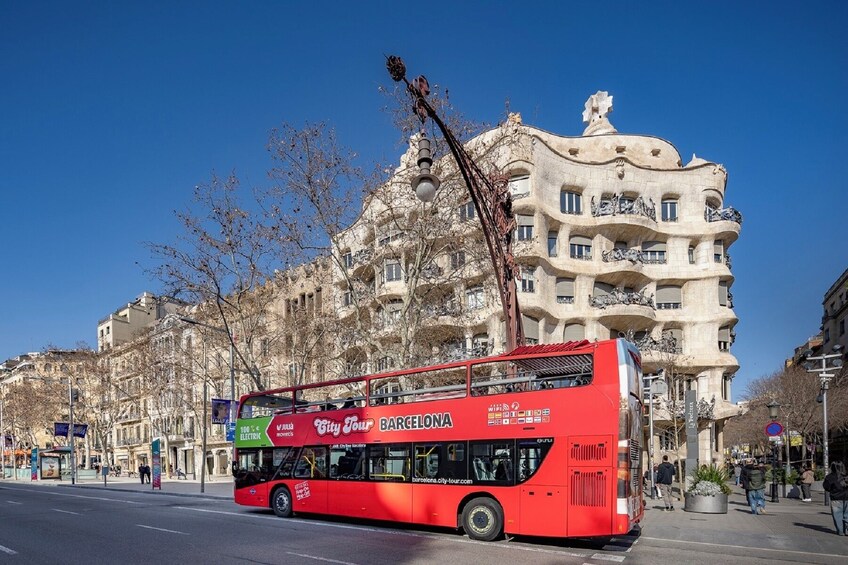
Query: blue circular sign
point(774, 429)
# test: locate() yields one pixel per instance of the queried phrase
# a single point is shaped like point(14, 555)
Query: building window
point(565, 291)
point(552, 244)
point(393, 310)
point(826, 335)
point(531, 329)
point(580, 247)
point(718, 251)
point(392, 270)
point(842, 327)
point(722, 293)
point(347, 298)
point(457, 259)
point(654, 252)
point(724, 340)
point(519, 186)
point(347, 260)
point(669, 210)
point(691, 255)
point(668, 297)
point(384, 364)
point(467, 211)
point(570, 202)
point(528, 279)
point(525, 227)
point(666, 440)
point(574, 332)
point(474, 297)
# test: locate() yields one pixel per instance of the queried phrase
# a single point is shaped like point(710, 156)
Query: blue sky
point(111, 112)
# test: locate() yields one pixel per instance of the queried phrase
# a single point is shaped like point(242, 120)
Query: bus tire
point(482, 519)
point(282, 502)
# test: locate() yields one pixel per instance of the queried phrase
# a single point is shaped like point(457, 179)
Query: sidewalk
point(790, 525)
point(218, 488)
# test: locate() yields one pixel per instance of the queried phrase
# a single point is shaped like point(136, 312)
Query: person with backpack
point(665, 476)
point(754, 483)
point(836, 483)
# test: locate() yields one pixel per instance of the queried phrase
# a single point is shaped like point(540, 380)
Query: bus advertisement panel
point(542, 441)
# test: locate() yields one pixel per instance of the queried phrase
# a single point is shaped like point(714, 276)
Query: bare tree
point(222, 262)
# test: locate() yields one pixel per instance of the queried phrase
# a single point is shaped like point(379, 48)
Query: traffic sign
point(774, 429)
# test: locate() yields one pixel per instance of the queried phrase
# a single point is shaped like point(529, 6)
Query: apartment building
point(615, 237)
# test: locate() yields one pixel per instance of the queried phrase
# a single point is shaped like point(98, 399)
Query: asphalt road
point(43, 524)
point(59, 525)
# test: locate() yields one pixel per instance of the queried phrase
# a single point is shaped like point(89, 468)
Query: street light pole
point(71, 430)
point(773, 408)
point(491, 200)
point(824, 379)
point(232, 381)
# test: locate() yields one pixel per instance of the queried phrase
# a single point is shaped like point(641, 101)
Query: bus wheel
point(282, 502)
point(482, 519)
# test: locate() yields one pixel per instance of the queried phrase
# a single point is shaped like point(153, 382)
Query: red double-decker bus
point(541, 441)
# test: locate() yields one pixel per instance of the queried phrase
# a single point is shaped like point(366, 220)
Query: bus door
point(388, 491)
point(542, 508)
point(591, 485)
point(251, 474)
point(309, 480)
point(348, 465)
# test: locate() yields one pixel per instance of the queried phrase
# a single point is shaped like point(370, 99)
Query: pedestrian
point(145, 472)
point(141, 472)
point(754, 482)
point(836, 483)
point(807, 478)
point(737, 472)
point(665, 477)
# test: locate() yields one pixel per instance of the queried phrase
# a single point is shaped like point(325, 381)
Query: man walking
point(665, 476)
point(754, 483)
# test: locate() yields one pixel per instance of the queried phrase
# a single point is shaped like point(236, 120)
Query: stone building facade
point(614, 237)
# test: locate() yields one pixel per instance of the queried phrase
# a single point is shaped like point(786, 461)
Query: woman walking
point(836, 483)
point(807, 478)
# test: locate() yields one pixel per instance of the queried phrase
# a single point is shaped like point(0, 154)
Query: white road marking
point(65, 511)
point(13, 502)
point(319, 558)
point(41, 491)
point(162, 530)
point(749, 548)
point(7, 550)
point(387, 532)
point(602, 557)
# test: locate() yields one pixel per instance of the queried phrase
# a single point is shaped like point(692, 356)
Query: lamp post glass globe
point(425, 186)
point(773, 407)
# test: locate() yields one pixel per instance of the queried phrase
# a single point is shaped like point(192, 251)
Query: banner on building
point(80, 429)
point(220, 411)
point(61, 429)
point(690, 413)
point(157, 464)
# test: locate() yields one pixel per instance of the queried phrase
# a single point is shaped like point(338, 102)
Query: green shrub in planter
point(709, 480)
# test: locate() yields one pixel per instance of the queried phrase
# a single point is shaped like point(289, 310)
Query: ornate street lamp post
point(773, 408)
point(825, 377)
point(491, 199)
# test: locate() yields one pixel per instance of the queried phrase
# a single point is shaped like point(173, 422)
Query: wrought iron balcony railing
point(729, 214)
point(617, 297)
point(619, 205)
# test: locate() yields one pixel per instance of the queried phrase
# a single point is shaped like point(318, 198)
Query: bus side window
point(312, 463)
point(531, 453)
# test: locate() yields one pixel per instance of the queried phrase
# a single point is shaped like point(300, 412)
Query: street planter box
point(705, 504)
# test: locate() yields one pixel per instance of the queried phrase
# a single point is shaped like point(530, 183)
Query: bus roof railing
point(541, 366)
